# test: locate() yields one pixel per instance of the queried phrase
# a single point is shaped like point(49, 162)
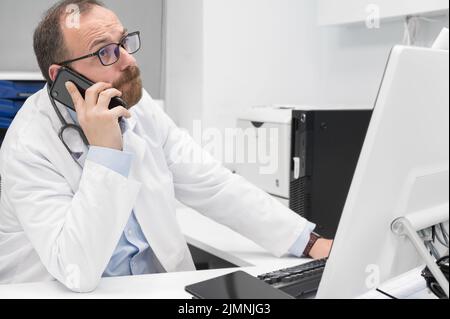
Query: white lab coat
point(59, 221)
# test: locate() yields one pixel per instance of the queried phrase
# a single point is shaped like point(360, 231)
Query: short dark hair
point(48, 39)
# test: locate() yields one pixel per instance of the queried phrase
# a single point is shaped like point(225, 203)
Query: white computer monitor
point(403, 168)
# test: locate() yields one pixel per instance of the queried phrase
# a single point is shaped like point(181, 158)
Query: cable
point(428, 241)
point(444, 233)
point(432, 284)
point(444, 240)
point(433, 250)
point(406, 35)
point(410, 25)
point(386, 294)
point(429, 236)
point(444, 230)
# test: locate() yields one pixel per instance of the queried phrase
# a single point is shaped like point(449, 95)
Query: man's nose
point(126, 60)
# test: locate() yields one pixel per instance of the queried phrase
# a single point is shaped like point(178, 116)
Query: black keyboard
point(299, 281)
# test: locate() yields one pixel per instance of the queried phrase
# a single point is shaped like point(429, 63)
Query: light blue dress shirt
point(133, 255)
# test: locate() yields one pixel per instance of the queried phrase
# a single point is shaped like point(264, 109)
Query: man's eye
point(103, 52)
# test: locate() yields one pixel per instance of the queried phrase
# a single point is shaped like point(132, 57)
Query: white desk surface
point(200, 232)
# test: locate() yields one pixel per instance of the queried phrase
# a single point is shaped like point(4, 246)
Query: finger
point(120, 111)
point(92, 93)
point(77, 99)
point(104, 98)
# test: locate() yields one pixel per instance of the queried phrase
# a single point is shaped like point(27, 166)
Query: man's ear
point(53, 71)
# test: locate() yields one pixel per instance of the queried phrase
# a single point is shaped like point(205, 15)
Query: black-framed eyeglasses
point(110, 54)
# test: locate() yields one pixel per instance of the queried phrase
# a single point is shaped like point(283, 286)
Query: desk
point(200, 232)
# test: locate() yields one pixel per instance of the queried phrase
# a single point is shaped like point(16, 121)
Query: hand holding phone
point(96, 116)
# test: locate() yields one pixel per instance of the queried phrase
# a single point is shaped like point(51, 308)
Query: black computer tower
point(326, 145)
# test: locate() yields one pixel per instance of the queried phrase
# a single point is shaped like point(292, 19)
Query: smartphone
point(59, 92)
point(237, 285)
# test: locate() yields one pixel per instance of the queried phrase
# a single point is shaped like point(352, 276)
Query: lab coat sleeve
point(300, 244)
point(74, 234)
point(205, 185)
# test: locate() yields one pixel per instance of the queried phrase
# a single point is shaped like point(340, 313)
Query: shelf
point(21, 76)
point(341, 12)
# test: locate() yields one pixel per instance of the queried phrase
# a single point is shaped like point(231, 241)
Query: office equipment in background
point(430, 279)
point(15, 88)
point(401, 183)
point(257, 123)
point(237, 285)
point(325, 149)
point(318, 149)
point(400, 186)
point(300, 281)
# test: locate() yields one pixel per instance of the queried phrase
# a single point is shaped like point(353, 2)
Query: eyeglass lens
point(110, 54)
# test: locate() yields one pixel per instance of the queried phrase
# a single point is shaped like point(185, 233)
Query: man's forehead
point(99, 16)
point(93, 24)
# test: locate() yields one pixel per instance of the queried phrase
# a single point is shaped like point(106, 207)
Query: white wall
point(257, 52)
point(184, 61)
point(352, 58)
point(226, 55)
point(237, 54)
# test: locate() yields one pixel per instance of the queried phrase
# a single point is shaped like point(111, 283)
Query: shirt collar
point(73, 115)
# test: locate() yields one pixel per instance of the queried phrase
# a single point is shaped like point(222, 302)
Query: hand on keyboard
point(321, 248)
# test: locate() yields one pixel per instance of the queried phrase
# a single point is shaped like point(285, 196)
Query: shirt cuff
point(119, 162)
point(302, 241)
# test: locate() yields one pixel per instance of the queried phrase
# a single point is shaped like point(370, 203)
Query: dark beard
point(130, 84)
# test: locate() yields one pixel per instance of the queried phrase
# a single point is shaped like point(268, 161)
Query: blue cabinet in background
point(9, 108)
point(12, 96)
point(19, 89)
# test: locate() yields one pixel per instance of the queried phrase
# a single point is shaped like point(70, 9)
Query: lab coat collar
point(45, 107)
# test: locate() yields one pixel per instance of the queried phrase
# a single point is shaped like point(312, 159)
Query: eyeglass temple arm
point(77, 59)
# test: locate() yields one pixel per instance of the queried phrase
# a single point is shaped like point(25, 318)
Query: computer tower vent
point(300, 199)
